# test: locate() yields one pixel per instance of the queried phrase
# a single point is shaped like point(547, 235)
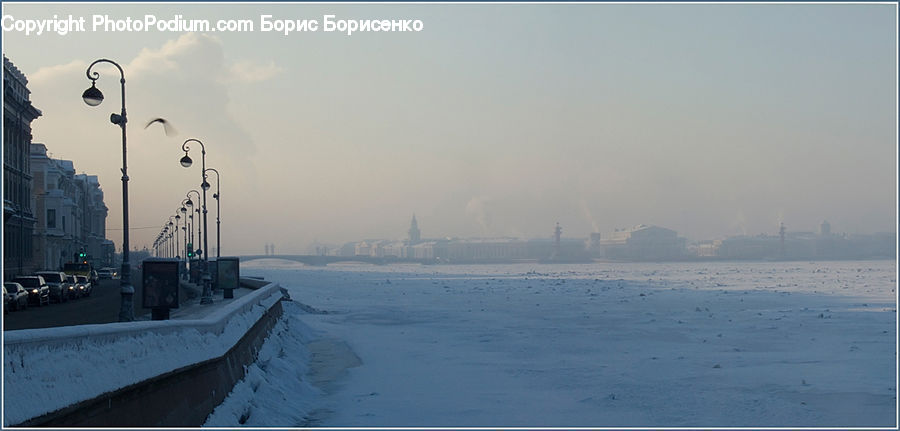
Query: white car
point(108, 273)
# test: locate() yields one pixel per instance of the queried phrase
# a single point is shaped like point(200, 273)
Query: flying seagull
point(167, 126)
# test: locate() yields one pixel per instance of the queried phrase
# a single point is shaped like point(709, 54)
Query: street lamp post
point(161, 240)
point(185, 228)
point(191, 208)
point(206, 296)
point(171, 234)
point(93, 97)
point(177, 236)
point(217, 195)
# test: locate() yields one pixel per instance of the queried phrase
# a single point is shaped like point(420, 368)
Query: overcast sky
point(494, 120)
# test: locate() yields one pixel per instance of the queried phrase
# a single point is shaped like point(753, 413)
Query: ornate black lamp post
point(206, 296)
point(162, 243)
point(177, 236)
point(172, 247)
point(187, 233)
point(93, 97)
point(192, 208)
point(216, 196)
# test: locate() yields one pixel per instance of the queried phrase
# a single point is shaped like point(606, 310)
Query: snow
point(280, 370)
point(51, 368)
point(786, 344)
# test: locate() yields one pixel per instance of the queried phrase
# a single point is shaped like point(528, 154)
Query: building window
point(51, 219)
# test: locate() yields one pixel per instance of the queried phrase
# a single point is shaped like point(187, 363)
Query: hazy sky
point(494, 120)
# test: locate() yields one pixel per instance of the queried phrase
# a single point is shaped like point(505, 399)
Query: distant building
point(708, 248)
point(93, 227)
point(18, 209)
point(422, 251)
point(362, 248)
point(749, 247)
point(642, 243)
point(348, 249)
point(802, 245)
point(825, 228)
point(483, 249)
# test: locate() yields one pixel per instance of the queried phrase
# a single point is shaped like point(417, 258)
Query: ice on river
point(785, 344)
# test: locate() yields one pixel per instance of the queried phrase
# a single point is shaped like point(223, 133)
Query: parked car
point(85, 285)
point(38, 291)
point(108, 273)
point(60, 289)
point(18, 296)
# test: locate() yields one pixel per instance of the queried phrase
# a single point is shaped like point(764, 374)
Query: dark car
point(84, 285)
point(77, 287)
point(60, 289)
point(18, 296)
point(38, 291)
point(76, 291)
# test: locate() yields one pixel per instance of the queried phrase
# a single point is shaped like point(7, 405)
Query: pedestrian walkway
point(189, 302)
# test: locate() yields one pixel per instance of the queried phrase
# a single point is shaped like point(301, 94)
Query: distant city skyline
point(424, 235)
point(494, 120)
point(634, 244)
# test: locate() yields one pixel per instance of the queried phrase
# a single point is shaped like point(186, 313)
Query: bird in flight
point(167, 126)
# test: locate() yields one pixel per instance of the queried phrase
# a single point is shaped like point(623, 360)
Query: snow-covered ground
point(785, 344)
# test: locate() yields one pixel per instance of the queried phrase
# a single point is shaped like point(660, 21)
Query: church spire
point(414, 234)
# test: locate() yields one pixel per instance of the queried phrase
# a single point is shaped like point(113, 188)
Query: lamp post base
point(206, 296)
point(126, 312)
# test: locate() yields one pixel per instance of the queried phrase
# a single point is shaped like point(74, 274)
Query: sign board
point(228, 275)
point(160, 283)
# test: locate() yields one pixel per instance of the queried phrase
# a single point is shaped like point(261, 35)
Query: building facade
point(641, 243)
point(70, 214)
point(18, 207)
point(93, 228)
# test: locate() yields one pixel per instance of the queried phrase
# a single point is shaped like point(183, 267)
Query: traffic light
point(190, 248)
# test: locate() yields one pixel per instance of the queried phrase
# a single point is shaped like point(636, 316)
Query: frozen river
point(785, 344)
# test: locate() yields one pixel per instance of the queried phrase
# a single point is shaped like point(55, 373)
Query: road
point(101, 307)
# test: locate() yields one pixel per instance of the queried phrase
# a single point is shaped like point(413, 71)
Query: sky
point(493, 120)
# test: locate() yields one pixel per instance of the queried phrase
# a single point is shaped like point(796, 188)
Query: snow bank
point(276, 391)
point(47, 369)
